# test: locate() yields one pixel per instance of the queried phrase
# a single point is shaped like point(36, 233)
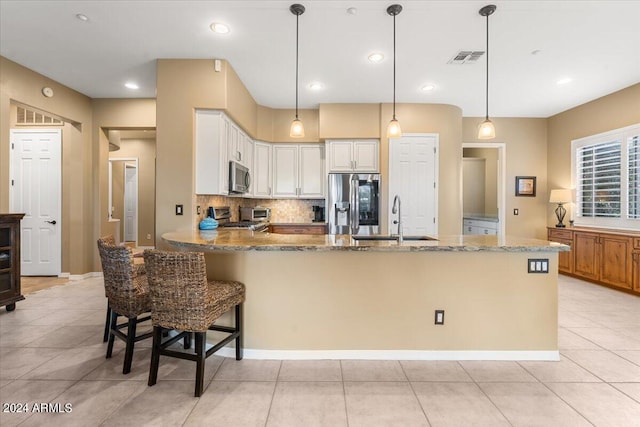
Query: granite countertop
point(246, 240)
point(481, 217)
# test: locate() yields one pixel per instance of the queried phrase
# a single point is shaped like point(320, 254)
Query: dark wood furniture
point(603, 256)
point(298, 228)
point(10, 260)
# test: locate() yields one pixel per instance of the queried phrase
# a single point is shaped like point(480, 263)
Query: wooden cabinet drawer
point(636, 242)
point(558, 233)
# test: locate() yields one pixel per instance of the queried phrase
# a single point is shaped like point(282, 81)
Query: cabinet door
point(211, 130)
point(365, 156)
point(616, 263)
point(247, 160)
point(565, 259)
point(261, 175)
point(311, 171)
point(586, 261)
point(636, 271)
point(285, 170)
point(233, 142)
point(340, 156)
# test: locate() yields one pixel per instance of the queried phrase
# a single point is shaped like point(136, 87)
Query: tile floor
point(51, 350)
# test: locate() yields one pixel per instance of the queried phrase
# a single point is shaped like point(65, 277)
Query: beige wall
point(21, 85)
point(112, 114)
point(610, 112)
point(145, 151)
point(349, 121)
point(526, 155)
point(446, 121)
point(473, 185)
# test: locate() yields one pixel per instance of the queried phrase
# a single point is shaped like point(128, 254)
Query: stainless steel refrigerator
point(353, 204)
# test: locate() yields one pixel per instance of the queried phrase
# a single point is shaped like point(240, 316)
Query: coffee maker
point(318, 213)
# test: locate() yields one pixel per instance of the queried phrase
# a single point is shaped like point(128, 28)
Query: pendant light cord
point(487, 77)
point(297, 43)
point(394, 67)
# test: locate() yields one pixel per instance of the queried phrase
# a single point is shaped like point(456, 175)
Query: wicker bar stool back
point(107, 240)
point(126, 288)
point(183, 299)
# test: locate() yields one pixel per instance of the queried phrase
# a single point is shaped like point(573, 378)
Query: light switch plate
point(439, 320)
point(539, 265)
point(179, 209)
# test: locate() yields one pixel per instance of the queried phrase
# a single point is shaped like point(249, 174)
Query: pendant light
point(486, 130)
point(297, 129)
point(393, 130)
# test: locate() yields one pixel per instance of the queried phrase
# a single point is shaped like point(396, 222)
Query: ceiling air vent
point(466, 56)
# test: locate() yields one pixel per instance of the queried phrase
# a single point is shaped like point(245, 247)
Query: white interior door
point(36, 191)
point(130, 203)
point(413, 173)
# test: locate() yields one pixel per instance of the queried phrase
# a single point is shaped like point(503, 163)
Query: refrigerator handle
point(355, 205)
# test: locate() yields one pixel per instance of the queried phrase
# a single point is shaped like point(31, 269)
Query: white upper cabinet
point(211, 160)
point(261, 172)
point(247, 160)
point(353, 156)
point(298, 171)
point(238, 144)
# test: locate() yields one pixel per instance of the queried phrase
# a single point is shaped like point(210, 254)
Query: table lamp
point(560, 197)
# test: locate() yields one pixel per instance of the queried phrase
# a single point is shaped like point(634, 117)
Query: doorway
point(35, 190)
point(484, 166)
point(123, 196)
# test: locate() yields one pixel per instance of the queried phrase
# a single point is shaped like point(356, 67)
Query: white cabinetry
point(261, 175)
point(477, 226)
point(353, 156)
point(211, 160)
point(238, 142)
point(298, 170)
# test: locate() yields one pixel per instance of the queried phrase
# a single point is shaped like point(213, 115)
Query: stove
point(222, 214)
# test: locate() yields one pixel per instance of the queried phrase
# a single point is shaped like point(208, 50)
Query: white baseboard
point(63, 275)
point(550, 355)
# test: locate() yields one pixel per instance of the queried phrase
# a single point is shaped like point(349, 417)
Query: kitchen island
point(326, 296)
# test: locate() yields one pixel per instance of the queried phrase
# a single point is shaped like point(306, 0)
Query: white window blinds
point(634, 177)
point(599, 173)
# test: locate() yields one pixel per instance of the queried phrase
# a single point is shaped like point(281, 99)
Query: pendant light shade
point(393, 130)
point(486, 130)
point(297, 128)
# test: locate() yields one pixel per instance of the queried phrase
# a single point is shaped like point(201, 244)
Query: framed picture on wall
point(526, 186)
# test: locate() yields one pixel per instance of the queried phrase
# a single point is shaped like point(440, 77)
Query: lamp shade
point(393, 130)
point(560, 196)
point(297, 129)
point(486, 130)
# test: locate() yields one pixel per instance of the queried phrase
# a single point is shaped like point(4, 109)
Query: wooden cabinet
point(565, 259)
point(586, 255)
point(261, 173)
point(10, 291)
point(353, 156)
point(314, 228)
point(611, 258)
point(298, 171)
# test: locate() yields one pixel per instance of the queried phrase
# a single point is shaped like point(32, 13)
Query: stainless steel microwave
point(239, 178)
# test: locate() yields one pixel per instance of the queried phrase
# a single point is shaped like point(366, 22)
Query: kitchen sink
point(380, 237)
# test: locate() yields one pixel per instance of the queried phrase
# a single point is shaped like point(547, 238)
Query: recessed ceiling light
point(131, 85)
point(376, 57)
point(82, 17)
point(219, 28)
point(564, 81)
point(316, 86)
point(428, 87)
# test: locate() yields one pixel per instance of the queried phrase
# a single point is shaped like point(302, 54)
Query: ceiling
point(533, 44)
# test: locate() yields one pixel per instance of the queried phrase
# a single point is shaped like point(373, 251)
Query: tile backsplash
point(282, 210)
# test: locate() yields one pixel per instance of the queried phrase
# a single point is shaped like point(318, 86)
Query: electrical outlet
point(179, 209)
point(538, 265)
point(198, 210)
point(439, 317)
point(516, 212)
point(148, 236)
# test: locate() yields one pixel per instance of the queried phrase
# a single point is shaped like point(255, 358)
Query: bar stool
point(125, 285)
point(108, 240)
point(184, 300)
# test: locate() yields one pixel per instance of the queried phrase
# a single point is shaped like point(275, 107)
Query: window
point(606, 175)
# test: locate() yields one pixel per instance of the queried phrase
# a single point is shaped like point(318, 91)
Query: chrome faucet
point(396, 210)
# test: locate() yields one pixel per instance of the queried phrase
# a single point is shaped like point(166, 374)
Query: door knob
point(52, 222)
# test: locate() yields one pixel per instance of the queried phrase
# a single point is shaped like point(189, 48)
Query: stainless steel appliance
point(255, 214)
point(318, 213)
point(239, 178)
point(223, 215)
point(353, 204)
